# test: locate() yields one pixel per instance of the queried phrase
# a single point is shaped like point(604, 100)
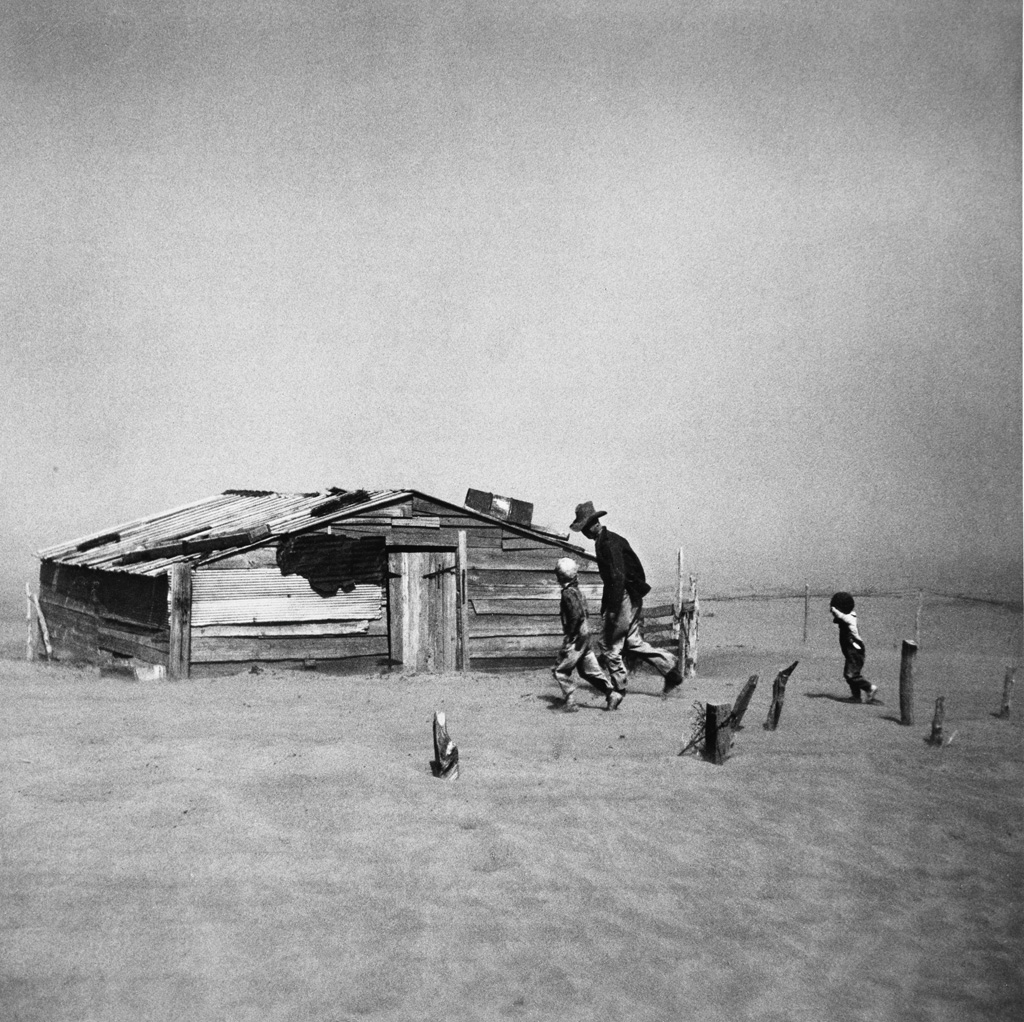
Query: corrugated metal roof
point(235, 520)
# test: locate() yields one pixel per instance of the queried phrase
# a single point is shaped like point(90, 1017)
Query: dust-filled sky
point(745, 274)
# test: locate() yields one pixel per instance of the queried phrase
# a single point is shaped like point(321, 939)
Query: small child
point(576, 652)
point(852, 645)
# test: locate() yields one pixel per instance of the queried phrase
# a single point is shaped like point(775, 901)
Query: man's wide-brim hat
point(585, 514)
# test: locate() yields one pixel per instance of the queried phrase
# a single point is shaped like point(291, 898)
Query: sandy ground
point(273, 846)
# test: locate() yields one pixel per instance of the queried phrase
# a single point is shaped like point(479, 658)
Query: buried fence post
point(940, 713)
point(778, 696)
point(742, 702)
point(907, 682)
point(717, 732)
point(1008, 678)
point(445, 763)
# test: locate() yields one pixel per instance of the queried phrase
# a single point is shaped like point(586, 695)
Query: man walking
point(625, 587)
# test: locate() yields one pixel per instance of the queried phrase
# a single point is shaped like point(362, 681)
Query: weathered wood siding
point(422, 525)
point(514, 597)
point(94, 614)
point(255, 614)
point(659, 627)
point(244, 611)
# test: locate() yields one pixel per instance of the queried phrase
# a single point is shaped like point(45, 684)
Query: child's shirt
point(573, 610)
point(849, 637)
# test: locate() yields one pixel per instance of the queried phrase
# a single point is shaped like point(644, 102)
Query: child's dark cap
point(843, 602)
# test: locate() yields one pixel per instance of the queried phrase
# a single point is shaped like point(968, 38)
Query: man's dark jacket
point(621, 572)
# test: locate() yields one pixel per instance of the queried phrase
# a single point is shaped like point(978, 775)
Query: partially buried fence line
point(940, 619)
point(712, 725)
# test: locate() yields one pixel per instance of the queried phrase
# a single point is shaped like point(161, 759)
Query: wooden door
point(422, 609)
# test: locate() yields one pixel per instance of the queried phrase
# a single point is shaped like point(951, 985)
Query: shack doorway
point(423, 609)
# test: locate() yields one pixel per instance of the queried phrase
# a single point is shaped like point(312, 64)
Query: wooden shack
point(330, 579)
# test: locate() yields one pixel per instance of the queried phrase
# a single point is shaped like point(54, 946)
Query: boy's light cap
point(566, 568)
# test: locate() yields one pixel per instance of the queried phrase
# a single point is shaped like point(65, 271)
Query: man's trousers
point(622, 632)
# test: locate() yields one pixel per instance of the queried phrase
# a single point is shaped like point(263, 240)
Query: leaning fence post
point(778, 696)
point(717, 732)
point(807, 608)
point(30, 638)
point(742, 702)
point(907, 682)
point(44, 631)
point(445, 763)
point(1008, 679)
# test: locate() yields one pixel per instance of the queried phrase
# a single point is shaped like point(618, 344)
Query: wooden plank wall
point(265, 643)
point(423, 525)
point(513, 595)
point(413, 524)
point(658, 627)
point(73, 624)
point(234, 640)
point(93, 615)
point(514, 598)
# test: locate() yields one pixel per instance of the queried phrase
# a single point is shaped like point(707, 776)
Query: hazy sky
point(747, 275)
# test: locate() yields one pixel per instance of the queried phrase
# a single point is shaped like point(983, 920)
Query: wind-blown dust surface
point(273, 846)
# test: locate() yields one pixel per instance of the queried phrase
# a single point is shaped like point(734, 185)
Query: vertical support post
point(30, 636)
point(807, 608)
point(693, 631)
point(179, 657)
point(940, 712)
point(1008, 678)
point(684, 628)
point(462, 598)
point(907, 682)
point(917, 618)
point(717, 732)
